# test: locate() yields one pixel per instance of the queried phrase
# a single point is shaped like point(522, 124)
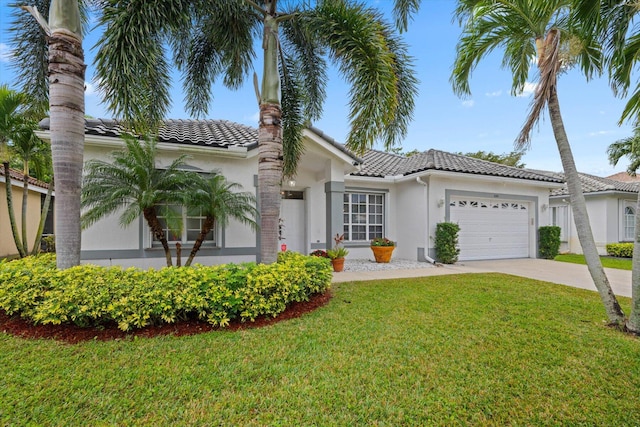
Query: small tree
point(134, 183)
point(446, 242)
point(216, 199)
point(549, 238)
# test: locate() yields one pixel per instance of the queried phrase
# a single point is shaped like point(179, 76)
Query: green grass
point(609, 262)
point(485, 349)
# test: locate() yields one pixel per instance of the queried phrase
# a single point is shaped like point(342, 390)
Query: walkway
point(550, 271)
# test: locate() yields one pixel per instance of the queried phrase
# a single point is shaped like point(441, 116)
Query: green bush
point(622, 250)
point(132, 298)
point(549, 241)
point(446, 242)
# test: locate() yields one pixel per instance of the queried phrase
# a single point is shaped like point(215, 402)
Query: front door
point(292, 221)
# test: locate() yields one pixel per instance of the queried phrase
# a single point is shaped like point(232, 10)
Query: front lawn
point(609, 262)
point(482, 349)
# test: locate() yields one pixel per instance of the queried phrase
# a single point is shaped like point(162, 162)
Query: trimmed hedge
point(622, 250)
point(549, 238)
point(446, 242)
point(90, 295)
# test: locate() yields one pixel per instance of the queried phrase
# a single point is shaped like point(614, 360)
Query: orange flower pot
point(338, 264)
point(382, 253)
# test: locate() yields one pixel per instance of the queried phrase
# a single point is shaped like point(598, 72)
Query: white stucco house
point(611, 205)
point(499, 208)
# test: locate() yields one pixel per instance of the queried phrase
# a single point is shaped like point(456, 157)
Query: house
point(37, 192)
point(611, 205)
point(499, 208)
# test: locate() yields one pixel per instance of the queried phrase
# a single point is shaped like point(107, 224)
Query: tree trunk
point(269, 179)
point(25, 200)
point(43, 220)
point(206, 228)
point(580, 215)
point(270, 162)
point(12, 216)
point(633, 323)
point(66, 98)
point(156, 228)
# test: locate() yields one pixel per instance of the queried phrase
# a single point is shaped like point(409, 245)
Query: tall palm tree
point(65, 88)
point(545, 30)
point(218, 201)
point(213, 39)
point(630, 148)
point(12, 120)
point(132, 182)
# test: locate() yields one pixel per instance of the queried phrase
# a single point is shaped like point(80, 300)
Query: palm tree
point(213, 39)
point(630, 148)
point(133, 182)
point(64, 79)
point(12, 120)
point(547, 31)
point(218, 201)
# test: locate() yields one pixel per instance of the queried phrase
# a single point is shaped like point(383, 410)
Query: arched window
point(629, 222)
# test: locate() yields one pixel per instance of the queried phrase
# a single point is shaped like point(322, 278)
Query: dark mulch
point(72, 334)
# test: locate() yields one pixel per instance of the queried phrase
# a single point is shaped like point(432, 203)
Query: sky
point(489, 120)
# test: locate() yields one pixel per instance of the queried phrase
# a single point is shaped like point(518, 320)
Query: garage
point(491, 228)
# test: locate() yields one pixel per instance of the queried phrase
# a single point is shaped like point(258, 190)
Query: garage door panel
point(490, 229)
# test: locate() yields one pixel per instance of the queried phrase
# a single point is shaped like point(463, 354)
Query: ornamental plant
point(338, 251)
point(382, 241)
point(319, 253)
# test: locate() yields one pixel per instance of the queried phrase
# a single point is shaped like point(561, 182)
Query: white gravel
point(371, 265)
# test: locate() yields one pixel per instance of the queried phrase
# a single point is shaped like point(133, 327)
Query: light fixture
point(440, 203)
point(544, 207)
point(292, 183)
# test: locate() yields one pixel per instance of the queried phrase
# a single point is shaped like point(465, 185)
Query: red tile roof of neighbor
point(17, 175)
point(624, 177)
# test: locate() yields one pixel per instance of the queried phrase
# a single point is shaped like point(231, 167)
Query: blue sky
point(489, 120)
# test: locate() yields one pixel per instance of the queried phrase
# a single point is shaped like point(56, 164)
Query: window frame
point(375, 209)
point(185, 217)
point(560, 217)
point(628, 222)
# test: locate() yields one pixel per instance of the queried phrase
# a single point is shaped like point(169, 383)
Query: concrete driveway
point(550, 271)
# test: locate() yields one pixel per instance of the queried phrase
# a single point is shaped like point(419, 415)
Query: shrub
point(549, 241)
point(622, 250)
point(132, 298)
point(446, 242)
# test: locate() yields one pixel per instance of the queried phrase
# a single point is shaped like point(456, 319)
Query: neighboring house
point(499, 208)
point(611, 205)
point(35, 199)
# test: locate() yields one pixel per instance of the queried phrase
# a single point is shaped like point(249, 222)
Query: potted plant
point(382, 249)
point(337, 253)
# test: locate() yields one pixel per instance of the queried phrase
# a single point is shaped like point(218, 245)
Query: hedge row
point(622, 250)
point(89, 295)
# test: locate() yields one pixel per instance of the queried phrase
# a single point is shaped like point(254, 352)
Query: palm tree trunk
point(270, 162)
point(43, 220)
point(66, 98)
point(580, 215)
point(156, 228)
point(25, 200)
point(12, 216)
point(269, 179)
point(633, 323)
point(206, 228)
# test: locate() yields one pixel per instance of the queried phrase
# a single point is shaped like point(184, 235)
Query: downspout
point(427, 258)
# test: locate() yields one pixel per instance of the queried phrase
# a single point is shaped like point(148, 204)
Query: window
point(629, 223)
point(560, 218)
point(186, 225)
point(363, 216)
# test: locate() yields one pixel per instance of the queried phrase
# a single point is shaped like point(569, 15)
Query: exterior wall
point(606, 219)
point(7, 245)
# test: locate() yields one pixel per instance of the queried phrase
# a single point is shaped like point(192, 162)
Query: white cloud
point(5, 52)
point(528, 89)
point(468, 104)
point(601, 132)
point(89, 89)
point(494, 94)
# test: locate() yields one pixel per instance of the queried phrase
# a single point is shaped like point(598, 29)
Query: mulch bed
point(73, 334)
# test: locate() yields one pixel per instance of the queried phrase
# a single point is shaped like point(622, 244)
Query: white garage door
point(491, 229)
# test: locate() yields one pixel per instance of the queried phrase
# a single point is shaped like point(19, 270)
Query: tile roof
point(624, 177)
point(209, 133)
point(18, 176)
point(380, 164)
point(596, 184)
